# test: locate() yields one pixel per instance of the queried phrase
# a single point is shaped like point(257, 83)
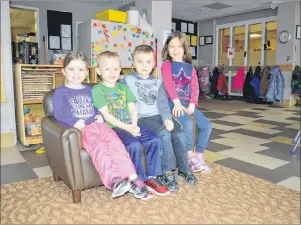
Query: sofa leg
point(76, 195)
point(56, 178)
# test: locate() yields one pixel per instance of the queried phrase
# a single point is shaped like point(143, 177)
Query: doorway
point(24, 34)
point(251, 43)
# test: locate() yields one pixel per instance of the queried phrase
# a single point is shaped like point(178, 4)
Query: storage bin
point(112, 16)
point(33, 128)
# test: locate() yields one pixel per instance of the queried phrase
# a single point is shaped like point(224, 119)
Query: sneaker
point(156, 186)
point(203, 168)
point(188, 178)
point(169, 180)
point(120, 187)
point(139, 190)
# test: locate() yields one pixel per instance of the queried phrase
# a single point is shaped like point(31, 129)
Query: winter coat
point(214, 79)
point(239, 79)
point(264, 81)
point(296, 79)
point(222, 85)
point(247, 85)
point(204, 80)
point(255, 82)
point(276, 86)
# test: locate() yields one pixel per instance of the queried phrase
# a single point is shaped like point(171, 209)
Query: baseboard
point(8, 139)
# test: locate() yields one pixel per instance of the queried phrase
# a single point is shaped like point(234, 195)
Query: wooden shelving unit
point(32, 82)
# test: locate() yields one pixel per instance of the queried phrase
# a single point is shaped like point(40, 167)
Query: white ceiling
point(22, 18)
point(198, 10)
point(193, 10)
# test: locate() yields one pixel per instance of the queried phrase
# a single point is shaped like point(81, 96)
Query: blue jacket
point(276, 86)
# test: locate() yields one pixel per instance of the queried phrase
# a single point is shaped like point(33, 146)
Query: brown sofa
point(68, 160)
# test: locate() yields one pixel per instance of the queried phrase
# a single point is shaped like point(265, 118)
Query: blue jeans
point(173, 143)
point(203, 125)
point(152, 145)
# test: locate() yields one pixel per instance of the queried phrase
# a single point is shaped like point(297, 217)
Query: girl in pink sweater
point(180, 81)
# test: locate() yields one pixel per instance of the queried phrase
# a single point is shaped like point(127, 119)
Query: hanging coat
point(276, 86)
point(296, 80)
point(213, 87)
point(255, 83)
point(264, 81)
point(222, 85)
point(247, 85)
point(239, 78)
point(204, 80)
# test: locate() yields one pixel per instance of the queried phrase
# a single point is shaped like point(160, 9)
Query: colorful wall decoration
point(120, 38)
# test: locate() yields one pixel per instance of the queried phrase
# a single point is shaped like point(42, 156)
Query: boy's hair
point(181, 36)
point(106, 54)
point(74, 55)
point(143, 49)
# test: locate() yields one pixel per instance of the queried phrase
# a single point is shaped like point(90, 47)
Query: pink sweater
point(167, 77)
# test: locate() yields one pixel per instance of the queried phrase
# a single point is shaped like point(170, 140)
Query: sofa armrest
point(63, 145)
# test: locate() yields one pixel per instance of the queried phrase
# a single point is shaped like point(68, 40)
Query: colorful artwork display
point(120, 38)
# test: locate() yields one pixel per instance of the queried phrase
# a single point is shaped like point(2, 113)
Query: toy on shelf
point(32, 123)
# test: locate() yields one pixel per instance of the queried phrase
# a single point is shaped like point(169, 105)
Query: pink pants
point(107, 152)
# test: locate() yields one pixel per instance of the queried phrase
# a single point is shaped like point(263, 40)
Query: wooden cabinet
point(32, 82)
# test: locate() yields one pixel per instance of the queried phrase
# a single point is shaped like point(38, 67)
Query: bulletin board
point(190, 29)
point(120, 38)
point(59, 25)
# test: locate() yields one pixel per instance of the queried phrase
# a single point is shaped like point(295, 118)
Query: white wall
point(8, 122)
point(81, 12)
point(205, 53)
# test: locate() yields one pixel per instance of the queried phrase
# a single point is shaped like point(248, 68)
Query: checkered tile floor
point(252, 139)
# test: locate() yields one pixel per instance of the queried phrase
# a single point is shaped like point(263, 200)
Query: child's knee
point(165, 134)
point(134, 146)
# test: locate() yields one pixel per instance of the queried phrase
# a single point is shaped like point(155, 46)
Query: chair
point(69, 162)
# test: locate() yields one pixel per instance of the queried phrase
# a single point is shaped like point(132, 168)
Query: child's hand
point(169, 125)
point(178, 110)
point(133, 129)
point(80, 124)
point(190, 109)
point(99, 119)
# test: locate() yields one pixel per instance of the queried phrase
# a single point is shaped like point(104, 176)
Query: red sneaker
point(156, 187)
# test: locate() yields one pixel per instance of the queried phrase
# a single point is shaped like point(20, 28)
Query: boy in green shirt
point(116, 102)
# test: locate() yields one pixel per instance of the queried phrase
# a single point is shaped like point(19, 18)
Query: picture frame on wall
point(202, 40)
point(298, 32)
point(209, 40)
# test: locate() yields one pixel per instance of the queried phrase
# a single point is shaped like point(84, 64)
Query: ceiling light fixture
point(255, 35)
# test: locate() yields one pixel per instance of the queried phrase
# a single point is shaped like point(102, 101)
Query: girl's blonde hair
point(182, 37)
point(75, 55)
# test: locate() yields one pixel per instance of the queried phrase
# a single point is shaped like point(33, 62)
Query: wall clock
point(284, 36)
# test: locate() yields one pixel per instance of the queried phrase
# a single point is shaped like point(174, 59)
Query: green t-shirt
point(116, 98)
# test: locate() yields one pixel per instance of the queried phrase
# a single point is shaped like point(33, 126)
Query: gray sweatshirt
point(150, 94)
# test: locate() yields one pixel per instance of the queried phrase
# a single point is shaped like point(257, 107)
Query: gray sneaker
point(139, 190)
point(188, 177)
point(120, 187)
point(169, 181)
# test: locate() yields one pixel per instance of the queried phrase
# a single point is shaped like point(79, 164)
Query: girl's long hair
point(182, 37)
point(74, 55)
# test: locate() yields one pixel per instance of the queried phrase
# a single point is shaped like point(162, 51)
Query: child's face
point(75, 72)
point(176, 50)
point(109, 69)
point(144, 63)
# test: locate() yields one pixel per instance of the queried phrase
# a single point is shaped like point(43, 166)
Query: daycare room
point(235, 78)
